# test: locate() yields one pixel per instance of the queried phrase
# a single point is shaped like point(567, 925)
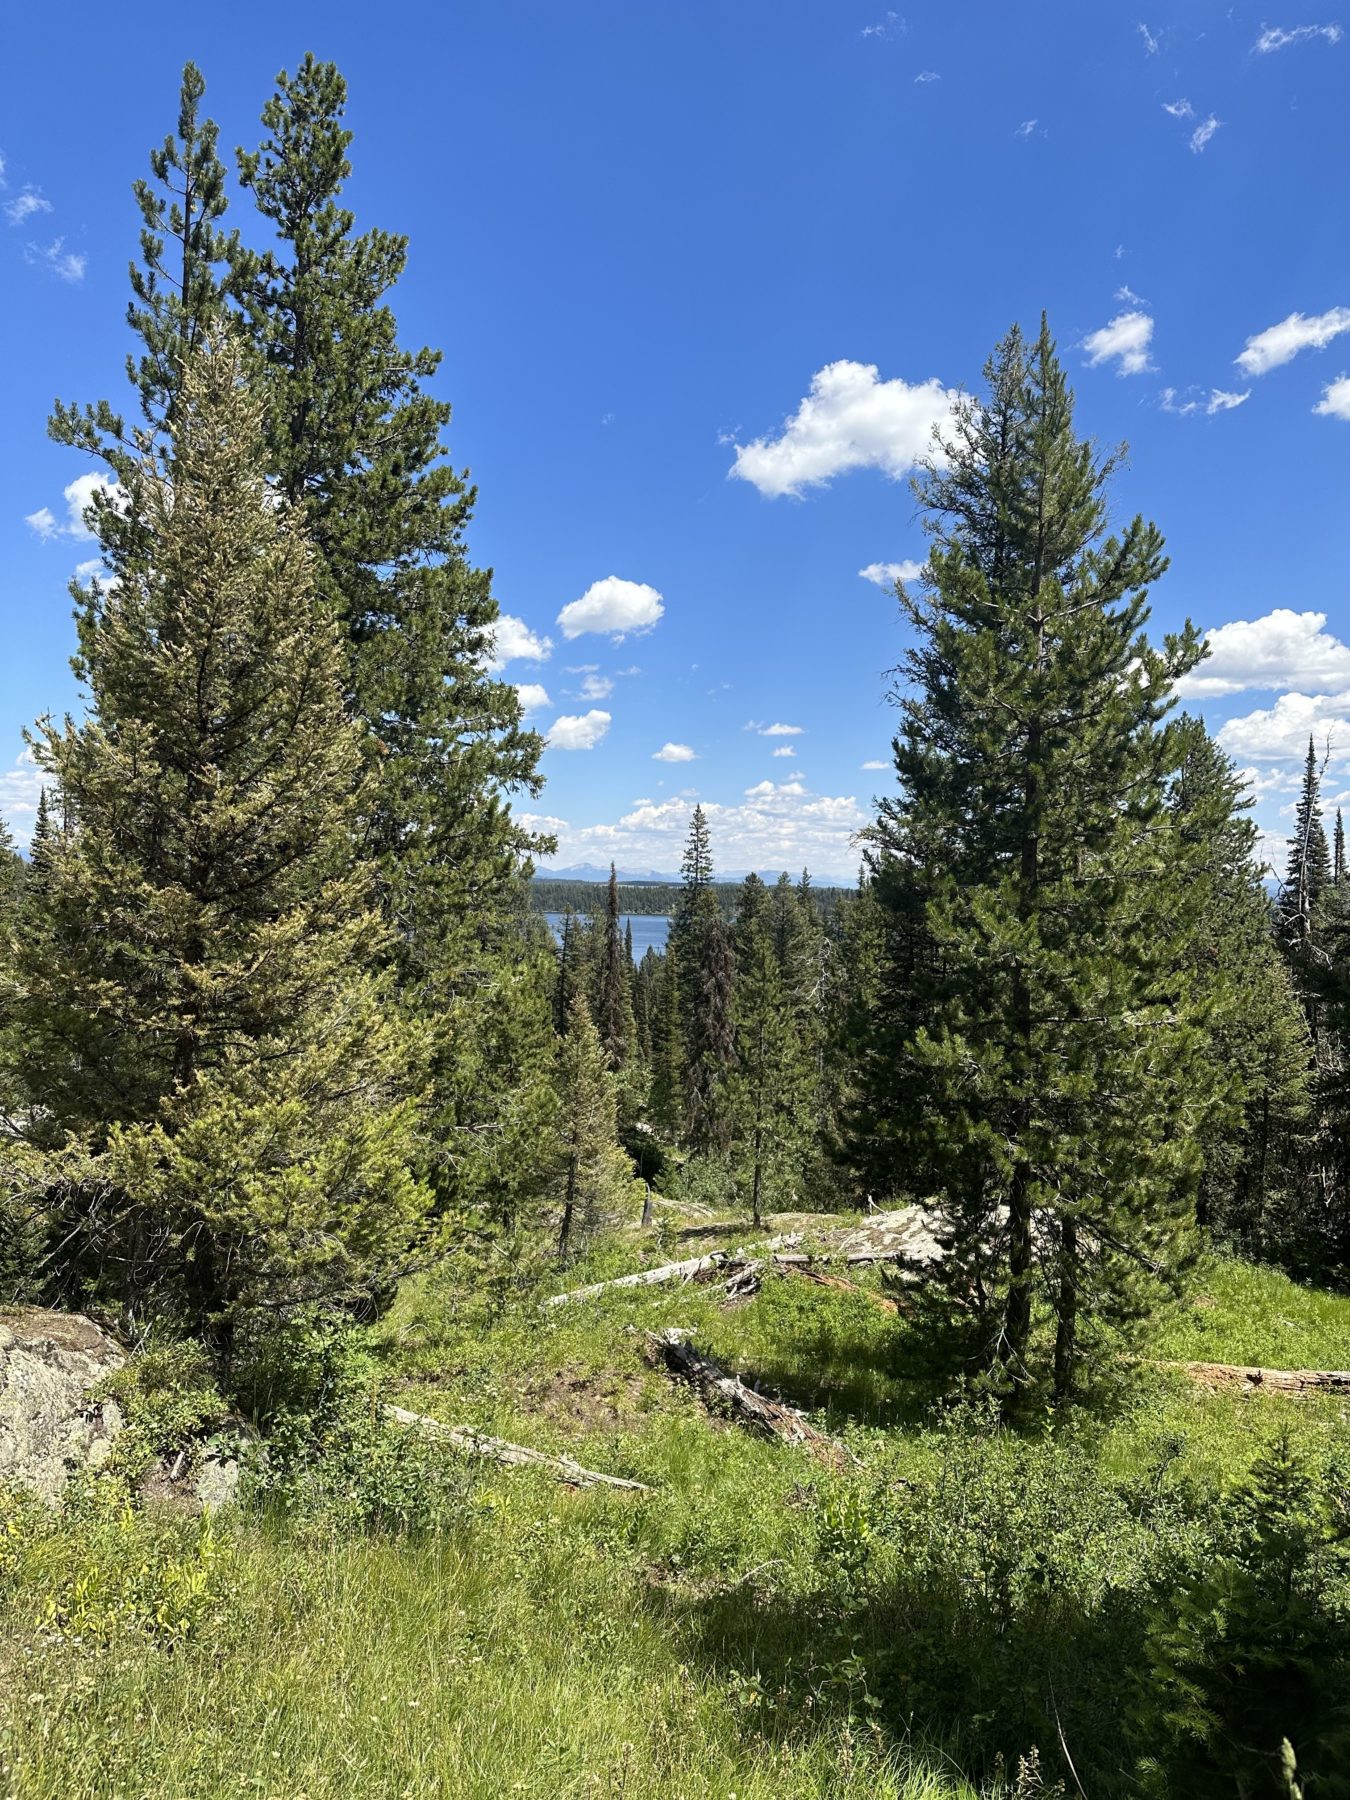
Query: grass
point(728, 1635)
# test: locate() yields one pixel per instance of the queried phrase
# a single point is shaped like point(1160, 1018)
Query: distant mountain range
point(638, 878)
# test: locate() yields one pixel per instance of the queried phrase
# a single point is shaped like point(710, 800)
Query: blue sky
point(704, 271)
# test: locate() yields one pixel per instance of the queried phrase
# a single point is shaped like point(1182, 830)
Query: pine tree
point(1258, 1037)
point(1057, 1080)
point(1338, 851)
point(769, 1090)
point(666, 1101)
point(703, 960)
point(595, 1173)
point(617, 1027)
point(222, 1101)
point(177, 289)
point(1309, 869)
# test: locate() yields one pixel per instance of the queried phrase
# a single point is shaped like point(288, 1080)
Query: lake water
point(650, 930)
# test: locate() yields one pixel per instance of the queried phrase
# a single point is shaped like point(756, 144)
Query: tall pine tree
point(222, 1101)
point(1057, 1079)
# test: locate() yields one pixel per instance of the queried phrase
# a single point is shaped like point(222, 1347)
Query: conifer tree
point(1338, 850)
point(703, 959)
point(615, 1021)
point(1057, 1079)
point(594, 1173)
point(1258, 1037)
point(1309, 869)
point(768, 1091)
point(223, 1100)
point(666, 1103)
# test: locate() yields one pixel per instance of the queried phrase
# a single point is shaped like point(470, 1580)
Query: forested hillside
point(933, 1446)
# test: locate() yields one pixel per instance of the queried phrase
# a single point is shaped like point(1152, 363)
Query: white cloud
point(596, 687)
point(774, 826)
point(93, 570)
point(886, 574)
point(515, 642)
point(1026, 128)
point(851, 419)
point(1335, 401)
point(1280, 343)
point(926, 75)
point(1282, 731)
point(893, 25)
point(25, 204)
point(1273, 38)
point(20, 787)
point(532, 696)
point(874, 764)
point(780, 730)
point(1204, 132)
point(1179, 109)
point(786, 750)
point(1126, 339)
point(1283, 649)
point(578, 732)
point(66, 265)
point(1218, 401)
point(79, 497)
point(1150, 42)
point(613, 606)
point(673, 753)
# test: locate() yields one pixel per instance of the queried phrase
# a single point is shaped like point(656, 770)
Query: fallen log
point(478, 1443)
point(1224, 1377)
point(793, 1267)
point(688, 1270)
point(728, 1393)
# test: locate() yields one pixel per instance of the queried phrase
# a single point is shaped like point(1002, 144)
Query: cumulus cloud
point(1335, 401)
point(851, 419)
point(874, 764)
point(777, 730)
point(1221, 401)
point(613, 606)
point(66, 265)
point(1204, 132)
point(774, 826)
point(597, 687)
point(515, 642)
point(79, 496)
point(1275, 38)
point(532, 696)
point(1280, 343)
point(24, 204)
point(1282, 731)
point(886, 574)
point(786, 750)
point(571, 731)
point(673, 753)
point(1179, 109)
point(1125, 341)
point(1283, 649)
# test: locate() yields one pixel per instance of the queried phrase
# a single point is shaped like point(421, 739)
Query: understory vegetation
point(301, 1100)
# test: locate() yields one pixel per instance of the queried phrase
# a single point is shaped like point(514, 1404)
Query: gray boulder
point(49, 1427)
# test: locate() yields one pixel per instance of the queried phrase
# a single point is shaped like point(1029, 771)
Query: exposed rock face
point(49, 1428)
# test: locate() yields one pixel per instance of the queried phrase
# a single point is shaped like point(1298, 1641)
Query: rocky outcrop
point(50, 1429)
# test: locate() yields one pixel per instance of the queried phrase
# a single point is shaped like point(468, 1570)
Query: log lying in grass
point(1226, 1376)
point(688, 1270)
point(748, 1277)
point(477, 1443)
point(728, 1393)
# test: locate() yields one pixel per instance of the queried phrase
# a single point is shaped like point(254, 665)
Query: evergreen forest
point(891, 1342)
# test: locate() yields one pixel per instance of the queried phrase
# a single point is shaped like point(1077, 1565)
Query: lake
point(650, 930)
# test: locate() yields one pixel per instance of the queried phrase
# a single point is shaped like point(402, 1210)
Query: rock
point(217, 1481)
point(49, 1428)
point(910, 1235)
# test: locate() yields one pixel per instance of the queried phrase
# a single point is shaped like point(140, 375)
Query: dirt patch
point(591, 1402)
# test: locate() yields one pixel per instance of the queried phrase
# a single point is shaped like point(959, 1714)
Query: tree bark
point(477, 1443)
point(687, 1270)
point(728, 1393)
